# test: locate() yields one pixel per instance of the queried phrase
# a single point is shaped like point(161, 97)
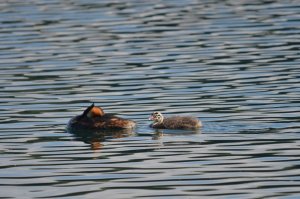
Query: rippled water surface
point(233, 64)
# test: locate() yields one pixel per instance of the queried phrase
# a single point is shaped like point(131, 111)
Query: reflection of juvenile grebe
point(175, 122)
point(95, 118)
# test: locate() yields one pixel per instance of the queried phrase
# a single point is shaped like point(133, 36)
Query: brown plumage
point(95, 118)
point(174, 122)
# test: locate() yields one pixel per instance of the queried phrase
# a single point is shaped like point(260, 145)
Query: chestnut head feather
point(91, 112)
point(95, 112)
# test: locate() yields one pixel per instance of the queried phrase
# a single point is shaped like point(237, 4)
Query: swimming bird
point(174, 122)
point(94, 118)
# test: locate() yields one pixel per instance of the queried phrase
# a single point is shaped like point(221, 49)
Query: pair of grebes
point(95, 118)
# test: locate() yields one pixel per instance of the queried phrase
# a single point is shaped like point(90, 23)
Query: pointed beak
point(151, 117)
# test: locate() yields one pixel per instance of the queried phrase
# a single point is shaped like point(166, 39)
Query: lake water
point(233, 64)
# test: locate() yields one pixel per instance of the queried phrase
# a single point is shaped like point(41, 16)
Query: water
point(233, 64)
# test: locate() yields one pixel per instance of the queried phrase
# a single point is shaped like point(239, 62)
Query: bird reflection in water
point(157, 135)
point(95, 138)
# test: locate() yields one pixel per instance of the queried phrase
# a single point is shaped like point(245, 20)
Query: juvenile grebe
point(174, 122)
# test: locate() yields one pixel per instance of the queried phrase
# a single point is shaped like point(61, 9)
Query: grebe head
point(95, 112)
point(157, 117)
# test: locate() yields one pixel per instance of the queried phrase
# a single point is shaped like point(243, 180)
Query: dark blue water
point(233, 64)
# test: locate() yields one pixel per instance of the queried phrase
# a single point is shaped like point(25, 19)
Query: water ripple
point(233, 64)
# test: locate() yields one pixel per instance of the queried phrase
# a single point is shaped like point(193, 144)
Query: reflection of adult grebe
point(175, 122)
point(96, 138)
point(95, 118)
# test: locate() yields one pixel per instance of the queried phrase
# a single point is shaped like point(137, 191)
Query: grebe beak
point(151, 117)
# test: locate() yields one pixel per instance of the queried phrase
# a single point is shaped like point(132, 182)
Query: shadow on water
point(158, 134)
point(95, 138)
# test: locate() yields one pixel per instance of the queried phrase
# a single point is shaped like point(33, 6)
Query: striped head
point(157, 118)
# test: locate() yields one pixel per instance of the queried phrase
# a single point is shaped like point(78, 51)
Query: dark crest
point(86, 111)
